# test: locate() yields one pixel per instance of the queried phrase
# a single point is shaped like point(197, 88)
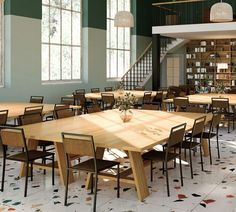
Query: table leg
point(164, 106)
point(99, 155)
point(31, 145)
point(61, 160)
point(139, 174)
point(205, 147)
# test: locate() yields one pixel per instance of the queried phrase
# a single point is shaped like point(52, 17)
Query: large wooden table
point(205, 99)
point(144, 131)
point(137, 94)
point(15, 109)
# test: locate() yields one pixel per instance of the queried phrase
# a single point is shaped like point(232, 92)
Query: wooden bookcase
point(211, 62)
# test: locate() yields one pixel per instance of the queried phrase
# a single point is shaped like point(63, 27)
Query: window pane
point(45, 62)
point(45, 2)
point(66, 63)
point(76, 63)
point(113, 55)
point(76, 5)
point(120, 55)
point(66, 27)
point(121, 5)
point(113, 8)
point(45, 24)
point(55, 24)
point(108, 9)
point(55, 69)
point(76, 28)
point(120, 38)
point(55, 3)
point(108, 63)
point(127, 39)
point(127, 61)
point(108, 32)
point(66, 4)
point(113, 36)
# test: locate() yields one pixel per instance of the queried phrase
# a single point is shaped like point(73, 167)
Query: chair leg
point(118, 181)
point(167, 180)
point(31, 171)
point(66, 189)
point(44, 160)
point(201, 157)
point(228, 125)
point(185, 153)
point(26, 178)
point(218, 147)
point(95, 195)
point(209, 141)
point(151, 170)
point(3, 173)
point(92, 183)
point(181, 172)
point(175, 158)
point(191, 165)
point(53, 170)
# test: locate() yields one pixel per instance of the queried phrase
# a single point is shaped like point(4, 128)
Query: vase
point(126, 115)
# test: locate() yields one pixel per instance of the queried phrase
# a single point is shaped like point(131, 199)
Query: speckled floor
point(212, 190)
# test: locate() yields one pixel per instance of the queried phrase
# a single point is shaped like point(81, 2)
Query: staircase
point(141, 71)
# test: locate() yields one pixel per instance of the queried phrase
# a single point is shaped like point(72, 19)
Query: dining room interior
point(118, 105)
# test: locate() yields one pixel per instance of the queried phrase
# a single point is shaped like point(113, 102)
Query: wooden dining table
point(204, 99)
point(98, 96)
point(16, 109)
point(146, 130)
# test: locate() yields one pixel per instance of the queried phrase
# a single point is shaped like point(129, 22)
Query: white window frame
point(108, 56)
point(2, 45)
point(62, 81)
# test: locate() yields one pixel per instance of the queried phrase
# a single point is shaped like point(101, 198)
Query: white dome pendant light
point(221, 12)
point(124, 19)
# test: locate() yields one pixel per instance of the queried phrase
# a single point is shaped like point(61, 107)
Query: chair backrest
point(150, 107)
point(13, 137)
point(33, 110)
point(30, 119)
point(195, 109)
point(67, 100)
point(79, 99)
point(108, 100)
point(94, 108)
point(95, 90)
point(139, 88)
point(176, 136)
point(79, 144)
point(182, 94)
point(80, 91)
point(220, 104)
point(61, 106)
point(36, 99)
point(3, 117)
point(108, 89)
point(198, 126)
point(64, 113)
point(147, 98)
point(215, 122)
point(181, 103)
point(159, 96)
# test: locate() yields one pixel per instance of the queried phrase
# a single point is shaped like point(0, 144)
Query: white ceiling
point(198, 31)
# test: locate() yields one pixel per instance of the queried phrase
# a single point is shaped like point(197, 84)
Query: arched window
point(118, 41)
point(61, 40)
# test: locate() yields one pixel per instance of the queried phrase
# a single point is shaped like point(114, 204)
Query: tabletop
point(145, 130)
point(206, 98)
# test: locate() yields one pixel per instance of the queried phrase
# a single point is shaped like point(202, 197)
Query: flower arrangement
point(119, 86)
point(125, 102)
point(220, 88)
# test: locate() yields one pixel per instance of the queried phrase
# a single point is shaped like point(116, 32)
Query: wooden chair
point(33, 110)
point(57, 107)
point(195, 109)
point(150, 107)
point(64, 113)
point(190, 143)
point(215, 122)
point(36, 99)
point(108, 101)
point(180, 104)
point(80, 99)
point(84, 146)
point(95, 90)
point(15, 137)
point(221, 106)
point(94, 108)
point(67, 100)
point(147, 98)
point(3, 117)
point(81, 91)
point(175, 141)
point(157, 100)
point(107, 89)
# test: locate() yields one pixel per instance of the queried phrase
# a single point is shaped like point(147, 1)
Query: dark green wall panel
point(25, 8)
point(94, 14)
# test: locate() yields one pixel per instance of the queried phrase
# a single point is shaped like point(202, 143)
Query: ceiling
point(198, 31)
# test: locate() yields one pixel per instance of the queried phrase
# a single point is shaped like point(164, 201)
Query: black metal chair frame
point(36, 99)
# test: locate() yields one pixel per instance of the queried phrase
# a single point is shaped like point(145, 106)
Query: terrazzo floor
point(213, 190)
